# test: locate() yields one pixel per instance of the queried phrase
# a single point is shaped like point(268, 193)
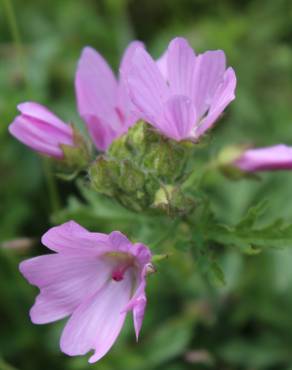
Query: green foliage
point(249, 237)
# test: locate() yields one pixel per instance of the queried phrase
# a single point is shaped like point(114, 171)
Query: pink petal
point(34, 137)
point(142, 254)
point(124, 103)
point(138, 302)
point(96, 88)
point(71, 238)
point(97, 322)
point(126, 61)
point(161, 63)
point(119, 241)
point(41, 130)
point(138, 314)
point(41, 113)
point(101, 131)
point(65, 281)
point(178, 119)
point(224, 94)
point(278, 157)
point(147, 88)
point(180, 63)
point(208, 74)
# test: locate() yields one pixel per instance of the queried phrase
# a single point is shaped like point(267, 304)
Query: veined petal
point(138, 302)
point(138, 313)
point(178, 118)
point(101, 131)
point(71, 238)
point(128, 116)
point(127, 57)
point(142, 254)
point(41, 130)
point(41, 113)
point(32, 136)
point(161, 63)
point(208, 74)
point(95, 85)
point(119, 241)
point(65, 281)
point(97, 322)
point(224, 94)
point(147, 88)
point(180, 64)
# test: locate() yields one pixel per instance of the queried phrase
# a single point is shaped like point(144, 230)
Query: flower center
point(121, 263)
point(119, 271)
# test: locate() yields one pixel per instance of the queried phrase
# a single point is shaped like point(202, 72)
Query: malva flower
point(41, 130)
point(103, 101)
point(181, 95)
point(277, 157)
point(95, 279)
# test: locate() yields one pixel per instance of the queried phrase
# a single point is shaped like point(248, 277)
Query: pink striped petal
point(41, 113)
point(180, 63)
point(126, 61)
point(29, 134)
point(71, 238)
point(138, 302)
point(128, 115)
point(277, 157)
point(41, 130)
point(178, 119)
point(208, 74)
point(97, 322)
point(65, 281)
point(101, 131)
point(119, 241)
point(224, 94)
point(161, 63)
point(95, 84)
point(147, 87)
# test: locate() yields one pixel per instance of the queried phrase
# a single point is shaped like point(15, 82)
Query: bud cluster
point(139, 166)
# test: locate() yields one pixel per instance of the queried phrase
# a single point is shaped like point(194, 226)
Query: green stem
point(196, 178)
point(12, 22)
point(167, 234)
point(51, 185)
point(5, 366)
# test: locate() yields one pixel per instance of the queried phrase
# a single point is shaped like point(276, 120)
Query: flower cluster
point(144, 125)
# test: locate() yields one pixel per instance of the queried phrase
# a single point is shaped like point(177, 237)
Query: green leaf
point(249, 237)
point(217, 274)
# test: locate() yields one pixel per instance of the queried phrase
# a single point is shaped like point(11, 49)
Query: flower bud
point(137, 165)
point(173, 201)
point(163, 158)
point(44, 132)
point(124, 181)
point(226, 162)
point(273, 158)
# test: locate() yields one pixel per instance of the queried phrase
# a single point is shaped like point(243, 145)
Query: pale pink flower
point(277, 157)
point(102, 100)
point(93, 278)
point(41, 130)
point(181, 94)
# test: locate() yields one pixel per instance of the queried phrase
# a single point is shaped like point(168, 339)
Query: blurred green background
point(189, 324)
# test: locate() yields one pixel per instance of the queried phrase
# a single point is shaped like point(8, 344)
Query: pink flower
point(94, 278)
point(102, 100)
point(182, 94)
point(41, 130)
point(277, 157)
